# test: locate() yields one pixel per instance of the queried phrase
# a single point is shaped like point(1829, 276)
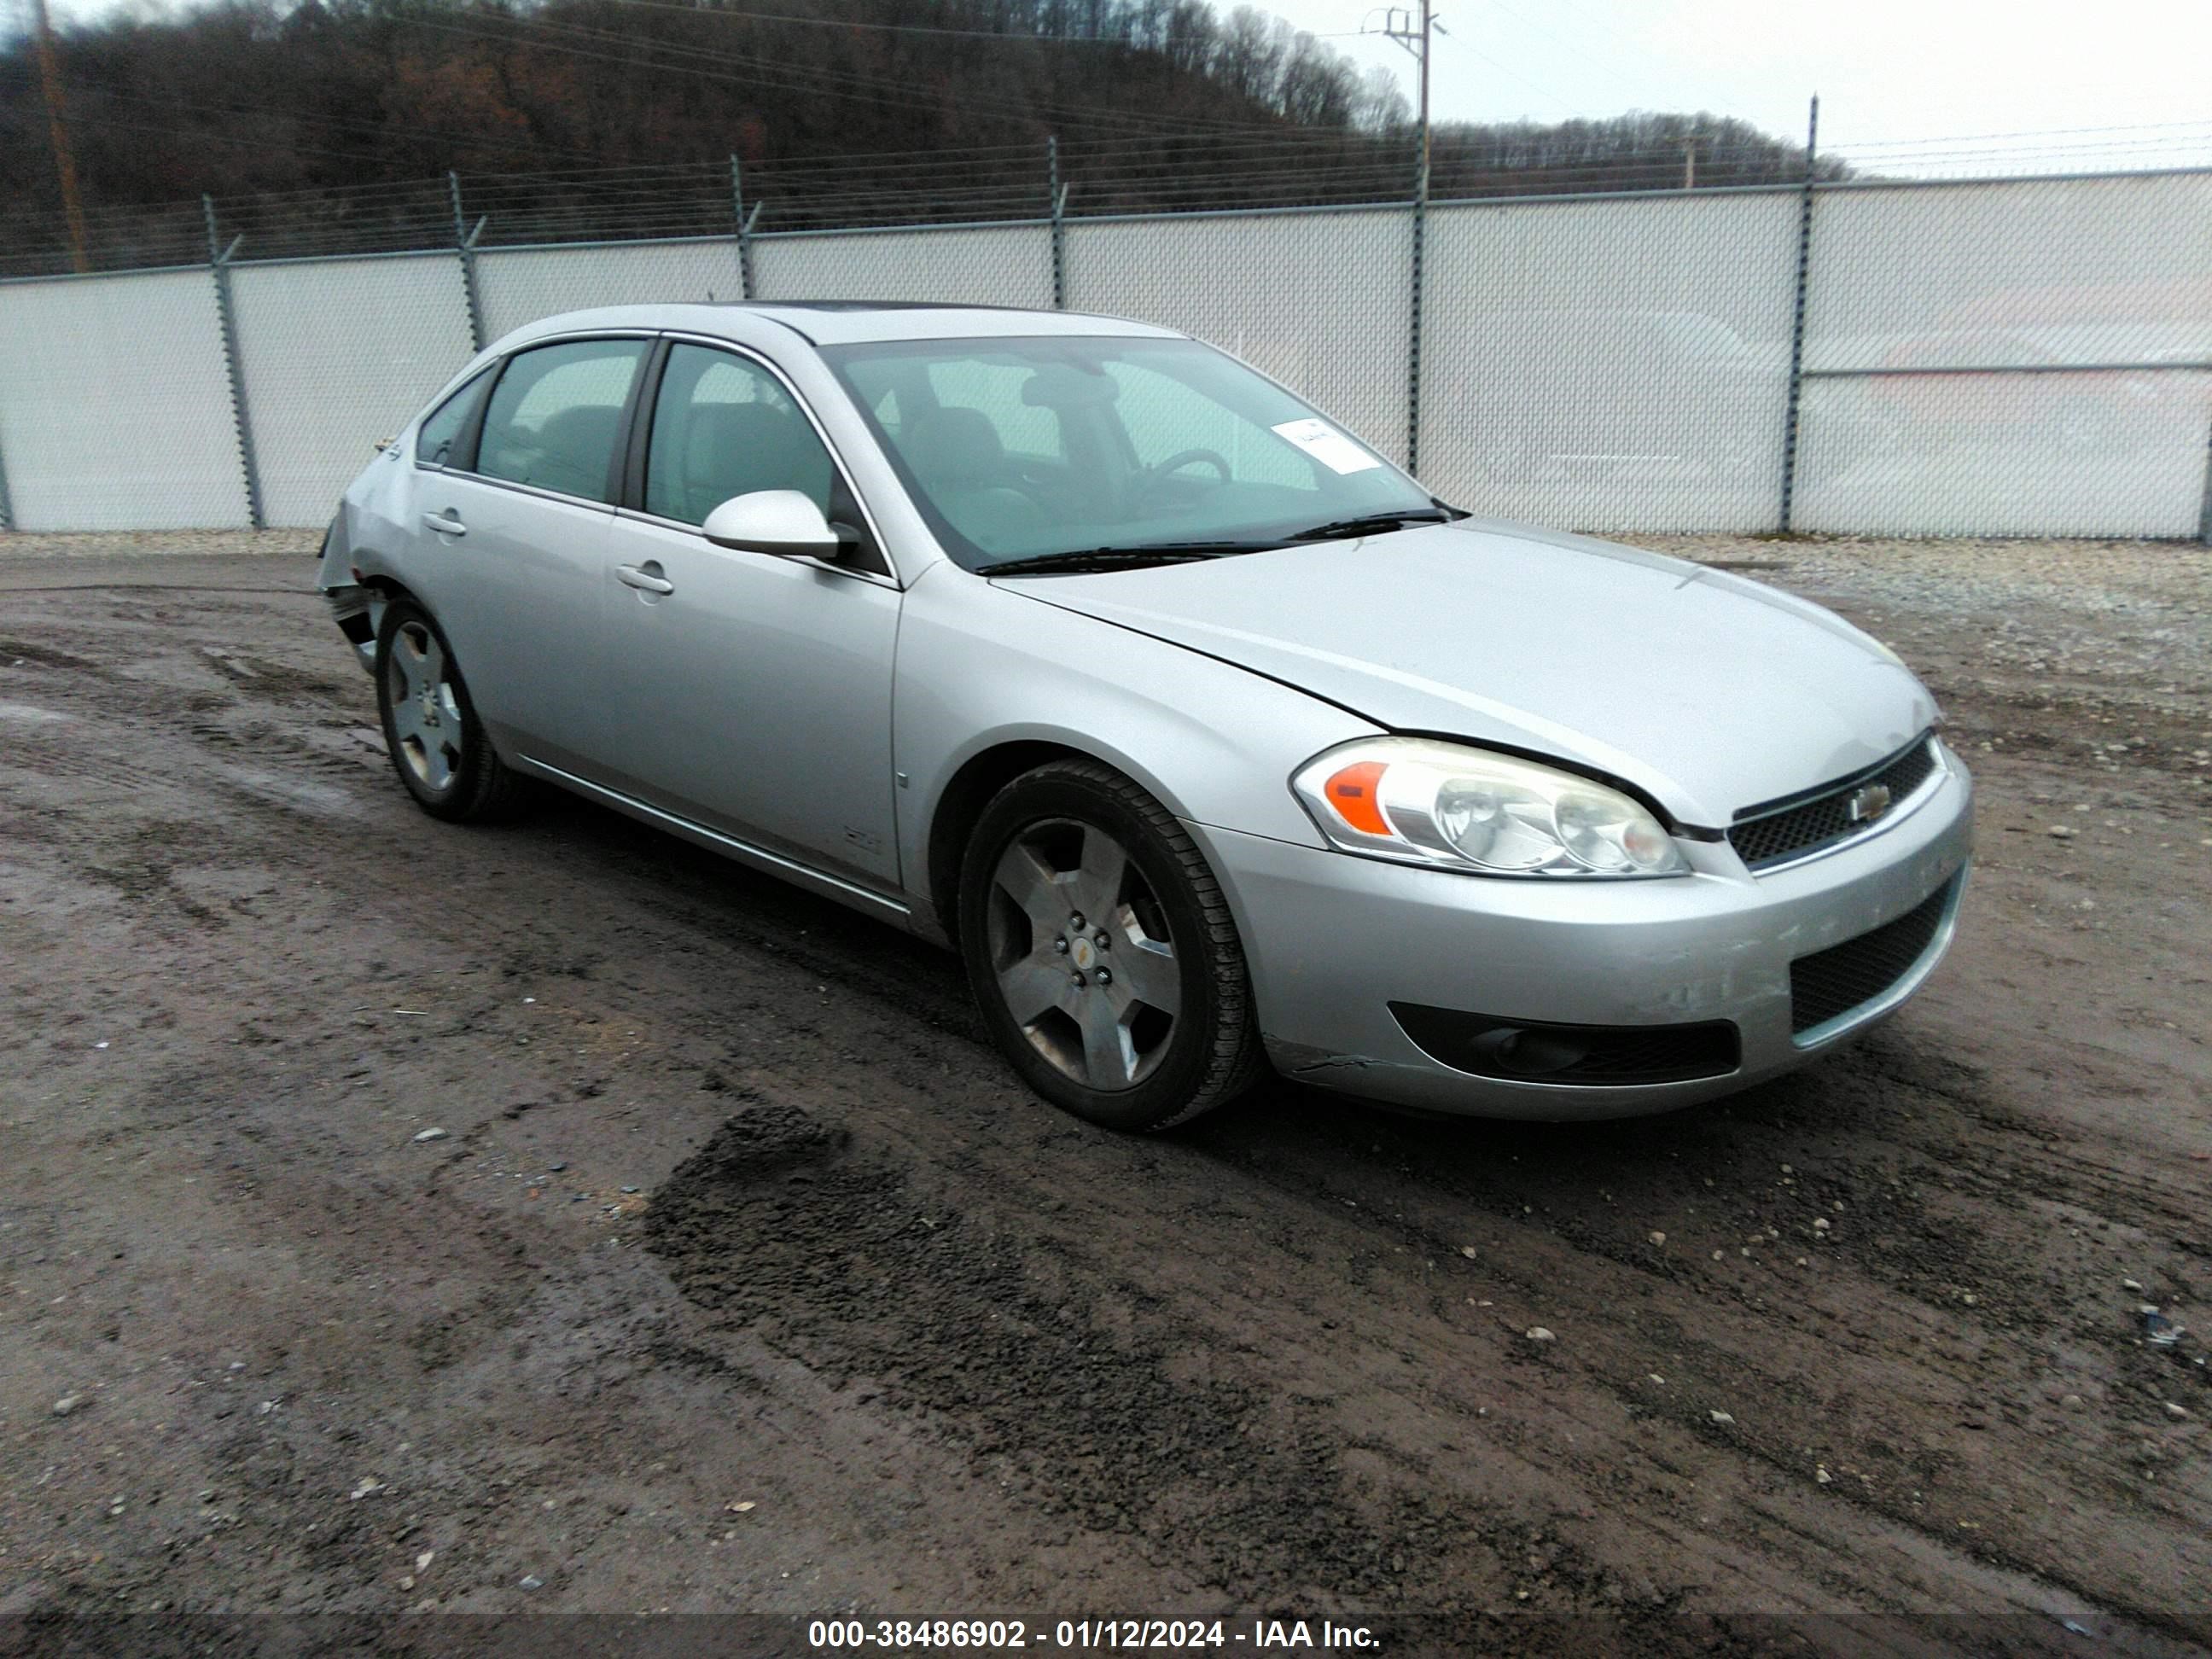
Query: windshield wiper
point(1077, 563)
point(1113, 558)
point(1376, 523)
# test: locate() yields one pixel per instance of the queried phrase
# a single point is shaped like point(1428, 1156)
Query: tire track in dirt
point(779, 1221)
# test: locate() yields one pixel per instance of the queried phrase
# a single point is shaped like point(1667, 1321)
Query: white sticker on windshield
point(1327, 445)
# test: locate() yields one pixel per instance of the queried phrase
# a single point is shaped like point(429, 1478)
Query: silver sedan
point(1211, 740)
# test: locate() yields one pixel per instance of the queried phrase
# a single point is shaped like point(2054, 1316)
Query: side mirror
point(784, 522)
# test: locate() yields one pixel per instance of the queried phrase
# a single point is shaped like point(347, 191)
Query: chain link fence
point(988, 264)
point(329, 349)
point(1318, 299)
point(1614, 364)
point(115, 405)
point(519, 285)
point(1999, 357)
point(2035, 356)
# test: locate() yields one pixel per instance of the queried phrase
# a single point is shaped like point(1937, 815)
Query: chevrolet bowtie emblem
point(1867, 803)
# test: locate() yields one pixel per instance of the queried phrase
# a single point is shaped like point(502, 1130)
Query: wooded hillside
point(335, 123)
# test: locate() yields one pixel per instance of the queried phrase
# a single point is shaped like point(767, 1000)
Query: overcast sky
point(2119, 82)
point(1888, 71)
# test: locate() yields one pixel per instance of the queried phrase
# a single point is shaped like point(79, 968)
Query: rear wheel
point(1102, 953)
point(438, 745)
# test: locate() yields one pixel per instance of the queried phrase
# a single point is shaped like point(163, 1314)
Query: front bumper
point(1334, 940)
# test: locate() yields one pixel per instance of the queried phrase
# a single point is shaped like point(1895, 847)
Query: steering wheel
point(1183, 458)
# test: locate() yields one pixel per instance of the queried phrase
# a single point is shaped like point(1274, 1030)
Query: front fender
point(980, 667)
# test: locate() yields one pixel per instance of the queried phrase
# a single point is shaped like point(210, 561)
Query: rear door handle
point(445, 524)
point(648, 580)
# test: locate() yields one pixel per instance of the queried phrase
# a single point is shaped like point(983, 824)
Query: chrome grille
point(1806, 826)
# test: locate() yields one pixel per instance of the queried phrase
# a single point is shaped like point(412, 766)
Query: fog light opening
point(1525, 1053)
point(1581, 1056)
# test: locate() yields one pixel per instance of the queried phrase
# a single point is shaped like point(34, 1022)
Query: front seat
point(956, 455)
point(734, 449)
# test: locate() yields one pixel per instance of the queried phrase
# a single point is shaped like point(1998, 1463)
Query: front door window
point(723, 427)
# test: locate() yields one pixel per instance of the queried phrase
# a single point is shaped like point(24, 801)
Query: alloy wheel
point(1082, 954)
point(426, 715)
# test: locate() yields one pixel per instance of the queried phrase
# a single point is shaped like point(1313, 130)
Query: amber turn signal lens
point(1353, 793)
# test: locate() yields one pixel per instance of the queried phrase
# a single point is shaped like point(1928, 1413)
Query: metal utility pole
point(49, 82)
point(1690, 160)
point(1398, 25)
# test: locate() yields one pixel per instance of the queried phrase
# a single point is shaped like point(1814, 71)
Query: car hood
point(1709, 692)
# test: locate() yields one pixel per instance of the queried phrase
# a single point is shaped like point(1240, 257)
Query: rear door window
point(442, 428)
point(557, 414)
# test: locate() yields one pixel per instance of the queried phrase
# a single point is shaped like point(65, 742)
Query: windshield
point(1028, 449)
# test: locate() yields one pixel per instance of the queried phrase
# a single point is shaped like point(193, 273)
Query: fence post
point(1413, 329)
point(227, 321)
point(1797, 322)
point(464, 244)
point(1058, 204)
point(744, 227)
point(7, 506)
point(2204, 513)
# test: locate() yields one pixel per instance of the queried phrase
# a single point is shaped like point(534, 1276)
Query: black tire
point(464, 781)
point(1209, 1052)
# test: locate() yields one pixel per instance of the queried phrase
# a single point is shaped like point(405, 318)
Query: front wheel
point(1102, 953)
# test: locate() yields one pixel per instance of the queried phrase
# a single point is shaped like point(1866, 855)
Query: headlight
point(1419, 801)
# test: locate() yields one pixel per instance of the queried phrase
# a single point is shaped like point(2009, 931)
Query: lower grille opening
point(1845, 976)
point(1593, 1056)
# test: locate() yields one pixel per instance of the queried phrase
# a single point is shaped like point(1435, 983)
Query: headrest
point(732, 448)
point(955, 446)
point(581, 430)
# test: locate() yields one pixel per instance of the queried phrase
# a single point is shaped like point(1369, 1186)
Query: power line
point(2039, 132)
point(249, 141)
point(911, 28)
point(382, 130)
point(759, 68)
point(1544, 92)
point(828, 82)
point(1557, 39)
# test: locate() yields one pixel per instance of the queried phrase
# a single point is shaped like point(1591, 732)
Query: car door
point(514, 538)
point(749, 693)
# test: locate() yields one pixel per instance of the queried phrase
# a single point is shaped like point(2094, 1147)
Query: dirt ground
point(738, 1274)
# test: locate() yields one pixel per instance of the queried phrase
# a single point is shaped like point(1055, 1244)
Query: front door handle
point(647, 578)
point(447, 523)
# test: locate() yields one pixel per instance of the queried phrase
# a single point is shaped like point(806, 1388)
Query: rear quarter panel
point(372, 532)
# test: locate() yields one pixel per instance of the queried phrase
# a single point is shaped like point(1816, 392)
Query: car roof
point(843, 322)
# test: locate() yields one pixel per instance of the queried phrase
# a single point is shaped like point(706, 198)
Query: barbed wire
point(1112, 174)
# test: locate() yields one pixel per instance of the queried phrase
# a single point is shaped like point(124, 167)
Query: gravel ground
point(554, 1218)
point(155, 544)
